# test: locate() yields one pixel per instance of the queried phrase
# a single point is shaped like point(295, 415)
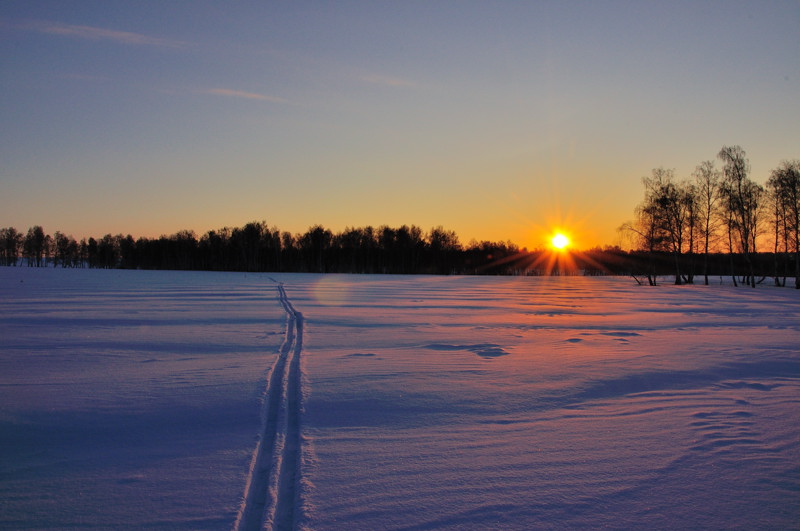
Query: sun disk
point(559, 241)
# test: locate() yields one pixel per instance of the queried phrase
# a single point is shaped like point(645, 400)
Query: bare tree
point(691, 206)
point(672, 211)
point(778, 225)
point(644, 234)
point(742, 201)
point(707, 179)
point(784, 187)
point(647, 231)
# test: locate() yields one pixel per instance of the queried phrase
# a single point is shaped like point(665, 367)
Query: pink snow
point(135, 399)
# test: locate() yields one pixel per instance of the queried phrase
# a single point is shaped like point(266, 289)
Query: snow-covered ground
point(132, 399)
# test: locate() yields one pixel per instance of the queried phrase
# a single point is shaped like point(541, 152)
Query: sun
point(559, 241)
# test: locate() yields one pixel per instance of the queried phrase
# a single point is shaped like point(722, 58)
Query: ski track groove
point(271, 498)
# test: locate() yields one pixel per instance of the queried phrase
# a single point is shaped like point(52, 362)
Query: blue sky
point(499, 120)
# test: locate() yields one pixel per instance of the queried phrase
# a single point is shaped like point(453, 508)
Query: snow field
point(139, 399)
point(522, 403)
point(130, 399)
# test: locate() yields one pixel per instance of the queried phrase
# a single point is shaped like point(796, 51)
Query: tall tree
point(742, 201)
point(647, 237)
point(707, 179)
point(673, 212)
point(690, 203)
point(784, 186)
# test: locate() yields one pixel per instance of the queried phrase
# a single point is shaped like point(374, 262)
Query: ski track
point(271, 499)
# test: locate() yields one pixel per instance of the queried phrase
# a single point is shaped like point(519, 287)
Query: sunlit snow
point(133, 399)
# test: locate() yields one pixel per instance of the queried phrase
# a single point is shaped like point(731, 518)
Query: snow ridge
point(271, 498)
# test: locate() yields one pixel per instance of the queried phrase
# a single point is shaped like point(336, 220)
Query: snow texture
point(193, 400)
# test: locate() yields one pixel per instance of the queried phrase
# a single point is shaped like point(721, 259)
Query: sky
point(498, 120)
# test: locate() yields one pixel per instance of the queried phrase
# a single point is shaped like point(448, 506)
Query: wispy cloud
point(99, 34)
point(242, 94)
point(388, 81)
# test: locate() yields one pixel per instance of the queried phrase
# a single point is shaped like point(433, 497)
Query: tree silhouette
point(314, 246)
point(742, 203)
point(33, 246)
point(784, 186)
point(10, 244)
point(66, 250)
point(707, 185)
point(674, 223)
point(443, 247)
point(673, 210)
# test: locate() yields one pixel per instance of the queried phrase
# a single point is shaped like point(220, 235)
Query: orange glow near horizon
point(556, 253)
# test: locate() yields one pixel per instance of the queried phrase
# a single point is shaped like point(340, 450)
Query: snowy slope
point(134, 399)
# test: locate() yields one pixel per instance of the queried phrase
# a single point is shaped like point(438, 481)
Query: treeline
point(257, 247)
point(720, 212)
point(720, 222)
